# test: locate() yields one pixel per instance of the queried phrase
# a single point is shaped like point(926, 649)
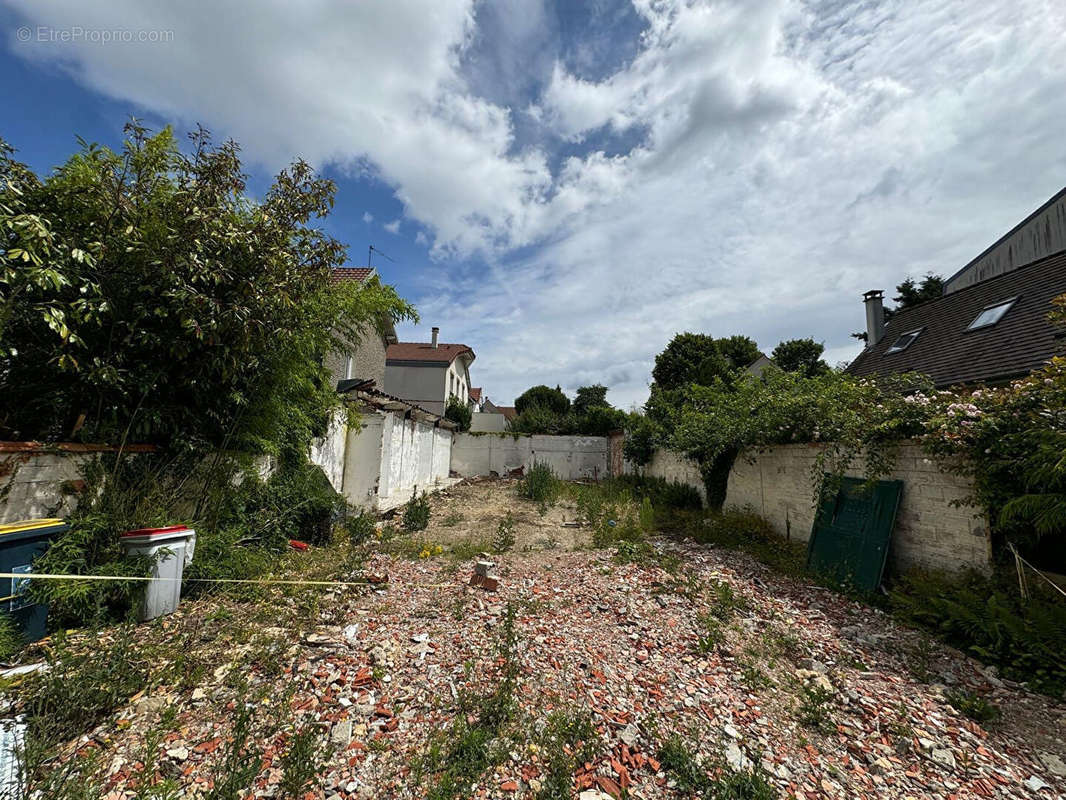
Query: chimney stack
point(875, 316)
point(433, 341)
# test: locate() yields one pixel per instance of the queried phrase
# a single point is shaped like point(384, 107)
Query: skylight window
point(904, 341)
point(992, 314)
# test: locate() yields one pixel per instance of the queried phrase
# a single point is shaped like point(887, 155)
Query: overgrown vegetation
point(458, 412)
point(569, 739)
point(985, 617)
point(542, 409)
point(540, 484)
point(416, 513)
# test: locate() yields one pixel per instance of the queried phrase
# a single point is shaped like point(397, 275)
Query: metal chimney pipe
point(433, 342)
point(875, 316)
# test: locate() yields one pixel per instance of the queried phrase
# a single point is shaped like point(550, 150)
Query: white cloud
point(392, 227)
point(368, 217)
point(777, 157)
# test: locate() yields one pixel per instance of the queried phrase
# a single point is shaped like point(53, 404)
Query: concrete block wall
point(933, 529)
point(571, 457)
point(676, 467)
point(40, 483)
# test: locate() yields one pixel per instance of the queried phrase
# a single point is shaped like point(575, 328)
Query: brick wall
point(932, 529)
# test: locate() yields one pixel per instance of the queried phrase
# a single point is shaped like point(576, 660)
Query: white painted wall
point(328, 452)
point(571, 457)
point(390, 457)
point(675, 467)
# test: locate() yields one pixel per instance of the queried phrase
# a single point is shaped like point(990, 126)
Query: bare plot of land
point(572, 678)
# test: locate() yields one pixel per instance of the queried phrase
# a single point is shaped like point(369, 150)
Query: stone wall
point(570, 457)
point(676, 467)
point(933, 530)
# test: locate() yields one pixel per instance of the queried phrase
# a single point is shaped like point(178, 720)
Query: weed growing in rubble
point(724, 600)
point(149, 785)
point(712, 632)
point(477, 739)
point(568, 740)
point(814, 706)
point(919, 659)
point(693, 777)
point(453, 519)
point(754, 678)
point(540, 485)
point(416, 513)
point(301, 762)
point(504, 539)
point(241, 757)
point(972, 705)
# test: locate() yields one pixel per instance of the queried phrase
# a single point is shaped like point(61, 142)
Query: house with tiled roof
point(991, 323)
point(429, 373)
point(366, 360)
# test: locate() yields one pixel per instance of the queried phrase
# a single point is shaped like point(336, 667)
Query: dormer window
point(992, 314)
point(904, 341)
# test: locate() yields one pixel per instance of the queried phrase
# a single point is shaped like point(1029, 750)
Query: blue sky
point(563, 186)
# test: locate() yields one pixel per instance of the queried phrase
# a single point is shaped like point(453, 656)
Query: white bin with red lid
point(170, 549)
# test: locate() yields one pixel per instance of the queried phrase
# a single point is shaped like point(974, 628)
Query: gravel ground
point(381, 669)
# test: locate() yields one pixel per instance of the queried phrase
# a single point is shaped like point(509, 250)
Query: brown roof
point(510, 412)
point(424, 351)
point(1021, 341)
point(475, 393)
point(360, 274)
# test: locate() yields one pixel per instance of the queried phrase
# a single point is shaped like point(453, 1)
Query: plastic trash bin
point(170, 549)
point(20, 543)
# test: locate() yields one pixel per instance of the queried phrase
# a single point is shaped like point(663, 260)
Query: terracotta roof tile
point(475, 393)
point(424, 351)
point(360, 274)
point(1023, 340)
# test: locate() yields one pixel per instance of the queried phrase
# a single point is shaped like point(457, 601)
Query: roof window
point(904, 341)
point(992, 314)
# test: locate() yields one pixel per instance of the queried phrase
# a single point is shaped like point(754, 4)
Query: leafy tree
point(801, 355)
point(910, 293)
point(458, 412)
point(163, 304)
point(740, 350)
point(689, 358)
point(587, 397)
point(551, 399)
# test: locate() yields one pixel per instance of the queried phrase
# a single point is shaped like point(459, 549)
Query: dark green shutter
point(852, 530)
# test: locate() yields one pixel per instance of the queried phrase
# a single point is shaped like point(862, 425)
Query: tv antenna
point(370, 255)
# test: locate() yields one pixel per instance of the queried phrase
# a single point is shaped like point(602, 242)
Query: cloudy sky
point(565, 185)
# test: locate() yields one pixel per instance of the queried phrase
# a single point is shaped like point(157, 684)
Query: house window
point(992, 314)
point(904, 341)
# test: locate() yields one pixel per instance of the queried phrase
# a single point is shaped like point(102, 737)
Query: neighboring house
point(988, 332)
point(428, 373)
point(475, 398)
point(367, 359)
point(1041, 234)
point(509, 412)
point(759, 365)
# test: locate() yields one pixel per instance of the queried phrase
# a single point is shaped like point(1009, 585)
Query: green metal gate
point(852, 530)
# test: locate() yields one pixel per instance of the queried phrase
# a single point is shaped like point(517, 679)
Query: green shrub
point(416, 513)
point(360, 526)
point(984, 616)
point(539, 484)
point(504, 539)
point(972, 705)
point(569, 740)
point(458, 412)
point(227, 554)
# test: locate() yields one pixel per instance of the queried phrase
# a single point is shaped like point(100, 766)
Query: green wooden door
point(852, 530)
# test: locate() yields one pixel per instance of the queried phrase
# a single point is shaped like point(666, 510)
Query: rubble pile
point(804, 685)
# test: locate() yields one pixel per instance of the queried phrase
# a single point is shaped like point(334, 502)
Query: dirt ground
point(471, 511)
point(747, 667)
